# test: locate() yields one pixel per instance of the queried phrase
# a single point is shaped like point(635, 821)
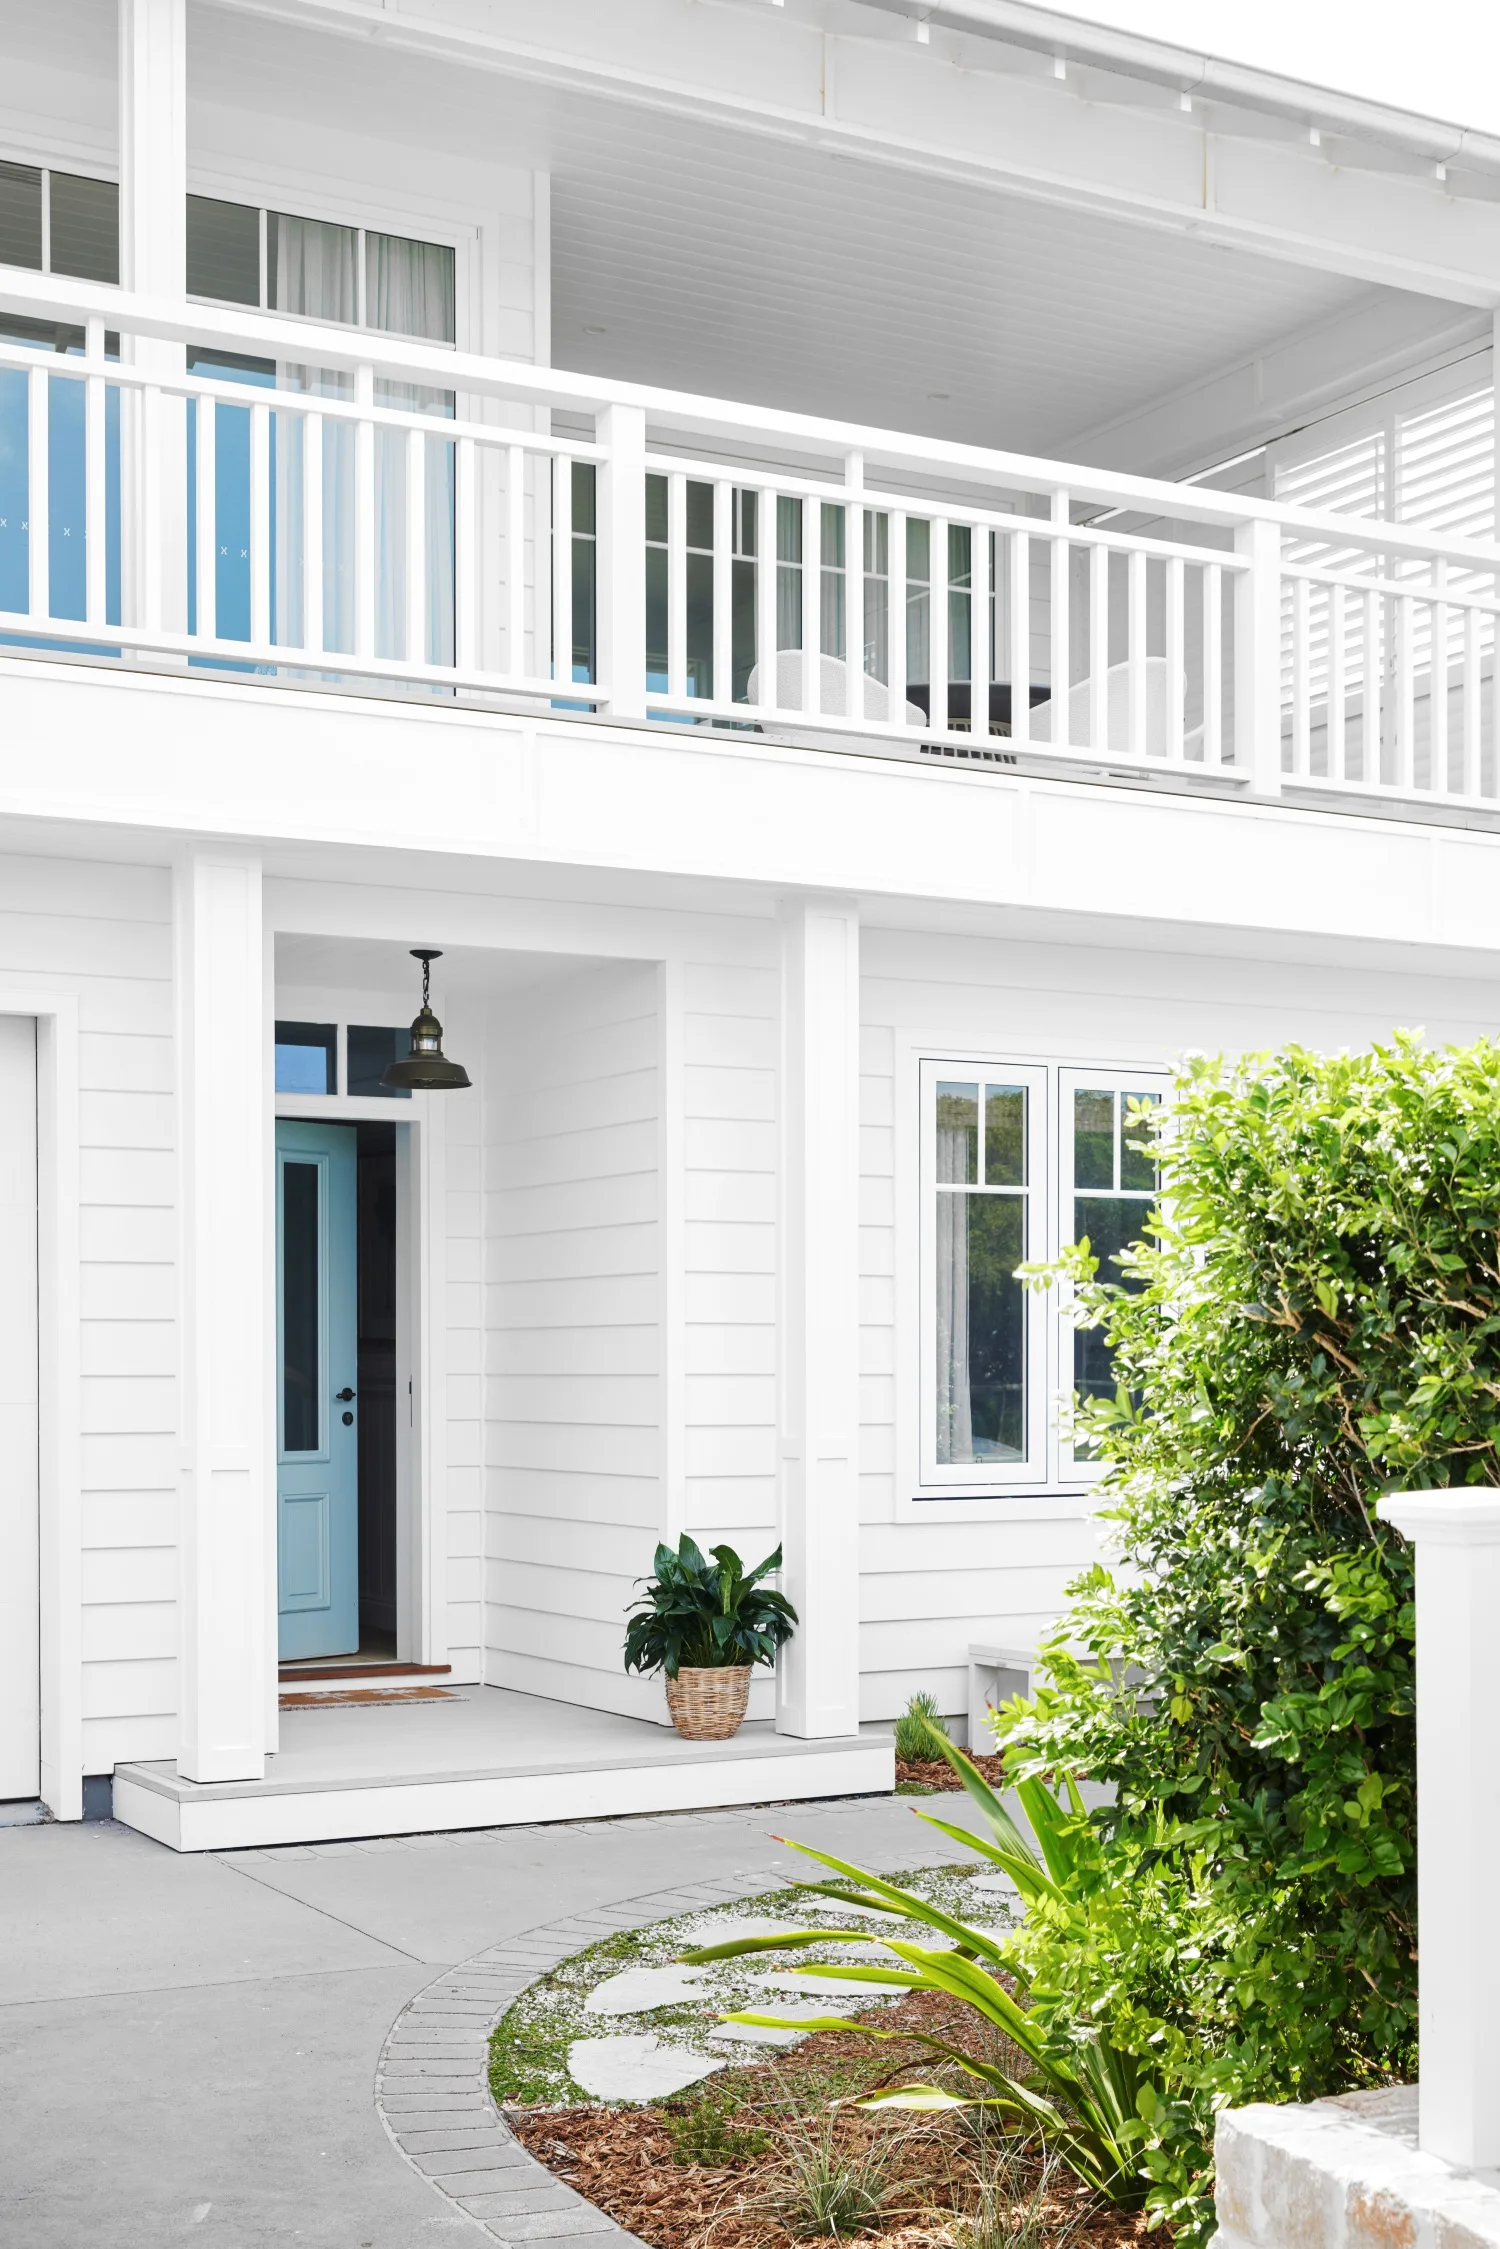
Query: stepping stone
point(725, 1928)
point(993, 1885)
point(637, 1990)
point(635, 2069)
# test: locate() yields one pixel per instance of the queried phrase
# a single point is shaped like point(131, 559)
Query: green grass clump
point(913, 1741)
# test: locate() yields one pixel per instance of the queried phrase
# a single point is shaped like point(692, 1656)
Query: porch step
point(484, 1757)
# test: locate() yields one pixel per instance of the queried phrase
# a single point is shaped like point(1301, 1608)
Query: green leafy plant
point(1085, 2095)
point(706, 2131)
point(707, 1614)
point(827, 2187)
point(913, 1728)
point(1313, 1320)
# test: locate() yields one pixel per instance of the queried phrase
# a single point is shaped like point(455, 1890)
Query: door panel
point(317, 1480)
point(20, 1695)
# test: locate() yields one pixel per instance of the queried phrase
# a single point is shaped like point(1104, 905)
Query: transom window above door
point(331, 1058)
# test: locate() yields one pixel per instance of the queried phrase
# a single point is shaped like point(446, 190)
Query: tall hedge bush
point(1314, 1320)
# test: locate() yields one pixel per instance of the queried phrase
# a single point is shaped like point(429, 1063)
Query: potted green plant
point(706, 1624)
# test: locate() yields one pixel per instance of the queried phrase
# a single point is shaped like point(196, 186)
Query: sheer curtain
point(955, 1425)
point(312, 268)
point(409, 291)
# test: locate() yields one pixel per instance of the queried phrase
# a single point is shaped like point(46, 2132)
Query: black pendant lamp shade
point(425, 1069)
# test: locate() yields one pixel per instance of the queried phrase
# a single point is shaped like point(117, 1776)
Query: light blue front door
point(317, 1477)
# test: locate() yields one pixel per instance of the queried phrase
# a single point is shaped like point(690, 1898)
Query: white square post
point(153, 262)
point(1457, 1538)
point(227, 1456)
point(818, 1677)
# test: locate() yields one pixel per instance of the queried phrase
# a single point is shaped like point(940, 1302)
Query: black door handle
point(344, 1395)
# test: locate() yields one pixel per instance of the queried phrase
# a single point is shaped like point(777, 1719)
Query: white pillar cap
point(1447, 1518)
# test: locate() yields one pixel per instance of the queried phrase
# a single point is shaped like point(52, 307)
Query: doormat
point(360, 1698)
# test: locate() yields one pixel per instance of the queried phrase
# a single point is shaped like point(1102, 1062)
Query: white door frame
point(59, 1388)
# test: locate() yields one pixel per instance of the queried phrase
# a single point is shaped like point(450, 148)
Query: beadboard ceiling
point(756, 267)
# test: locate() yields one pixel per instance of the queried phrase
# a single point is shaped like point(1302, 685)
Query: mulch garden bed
point(924, 1772)
point(725, 2165)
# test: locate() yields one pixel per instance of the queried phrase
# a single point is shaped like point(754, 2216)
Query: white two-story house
point(861, 574)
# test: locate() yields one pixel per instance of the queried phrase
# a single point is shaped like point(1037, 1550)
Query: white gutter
point(1185, 71)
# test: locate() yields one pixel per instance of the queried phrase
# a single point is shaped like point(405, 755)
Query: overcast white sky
point(1442, 58)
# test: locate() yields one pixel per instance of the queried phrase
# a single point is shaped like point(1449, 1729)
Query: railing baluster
point(466, 563)
point(896, 617)
point(1135, 656)
point(95, 503)
point(1473, 709)
point(38, 477)
point(1175, 623)
point(1371, 760)
point(1213, 663)
point(1020, 637)
point(260, 526)
point(812, 607)
point(1437, 718)
point(206, 509)
point(723, 684)
point(515, 561)
point(854, 586)
point(677, 588)
point(937, 625)
point(364, 515)
point(1098, 649)
point(767, 661)
point(416, 547)
point(1406, 696)
point(979, 632)
point(313, 559)
point(1301, 679)
point(562, 569)
point(1060, 663)
point(1337, 760)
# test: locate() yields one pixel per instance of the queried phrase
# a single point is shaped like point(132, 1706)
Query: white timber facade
point(865, 579)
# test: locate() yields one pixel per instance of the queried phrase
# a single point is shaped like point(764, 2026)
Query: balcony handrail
point(300, 341)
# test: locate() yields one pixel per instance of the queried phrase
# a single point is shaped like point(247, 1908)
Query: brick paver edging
point(432, 2086)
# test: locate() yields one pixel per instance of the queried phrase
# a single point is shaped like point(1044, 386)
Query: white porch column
point(1457, 1538)
point(818, 1678)
point(153, 260)
point(228, 1465)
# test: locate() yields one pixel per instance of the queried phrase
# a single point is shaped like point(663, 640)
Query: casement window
point(1017, 1159)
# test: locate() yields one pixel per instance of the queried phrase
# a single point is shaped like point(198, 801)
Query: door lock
point(344, 1395)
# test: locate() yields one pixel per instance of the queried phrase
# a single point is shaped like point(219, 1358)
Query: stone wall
point(1346, 2174)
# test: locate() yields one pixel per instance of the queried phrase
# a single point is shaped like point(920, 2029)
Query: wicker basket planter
point(709, 1705)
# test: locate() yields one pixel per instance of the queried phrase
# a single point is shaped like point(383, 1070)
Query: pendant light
point(425, 1069)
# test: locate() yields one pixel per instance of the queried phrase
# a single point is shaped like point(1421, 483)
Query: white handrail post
point(620, 520)
point(1457, 1537)
point(153, 260)
point(1257, 655)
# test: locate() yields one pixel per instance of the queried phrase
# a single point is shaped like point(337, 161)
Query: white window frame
point(1073, 1079)
point(987, 1474)
point(1051, 1486)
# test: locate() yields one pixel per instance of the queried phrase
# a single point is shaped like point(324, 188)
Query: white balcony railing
point(243, 491)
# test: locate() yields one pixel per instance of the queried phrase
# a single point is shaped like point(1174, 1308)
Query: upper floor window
point(59, 222)
point(1017, 1160)
point(242, 254)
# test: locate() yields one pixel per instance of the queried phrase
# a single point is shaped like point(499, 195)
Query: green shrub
point(1315, 1320)
point(913, 1740)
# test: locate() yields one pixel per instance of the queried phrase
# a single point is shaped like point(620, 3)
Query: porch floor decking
point(484, 1757)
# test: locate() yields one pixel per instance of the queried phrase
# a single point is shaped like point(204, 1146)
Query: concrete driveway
point(188, 2045)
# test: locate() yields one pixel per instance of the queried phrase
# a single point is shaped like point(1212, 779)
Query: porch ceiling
point(748, 263)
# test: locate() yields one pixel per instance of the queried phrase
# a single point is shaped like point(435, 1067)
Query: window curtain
point(313, 269)
point(955, 1426)
point(409, 291)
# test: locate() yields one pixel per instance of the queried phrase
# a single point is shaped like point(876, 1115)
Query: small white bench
point(995, 1675)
